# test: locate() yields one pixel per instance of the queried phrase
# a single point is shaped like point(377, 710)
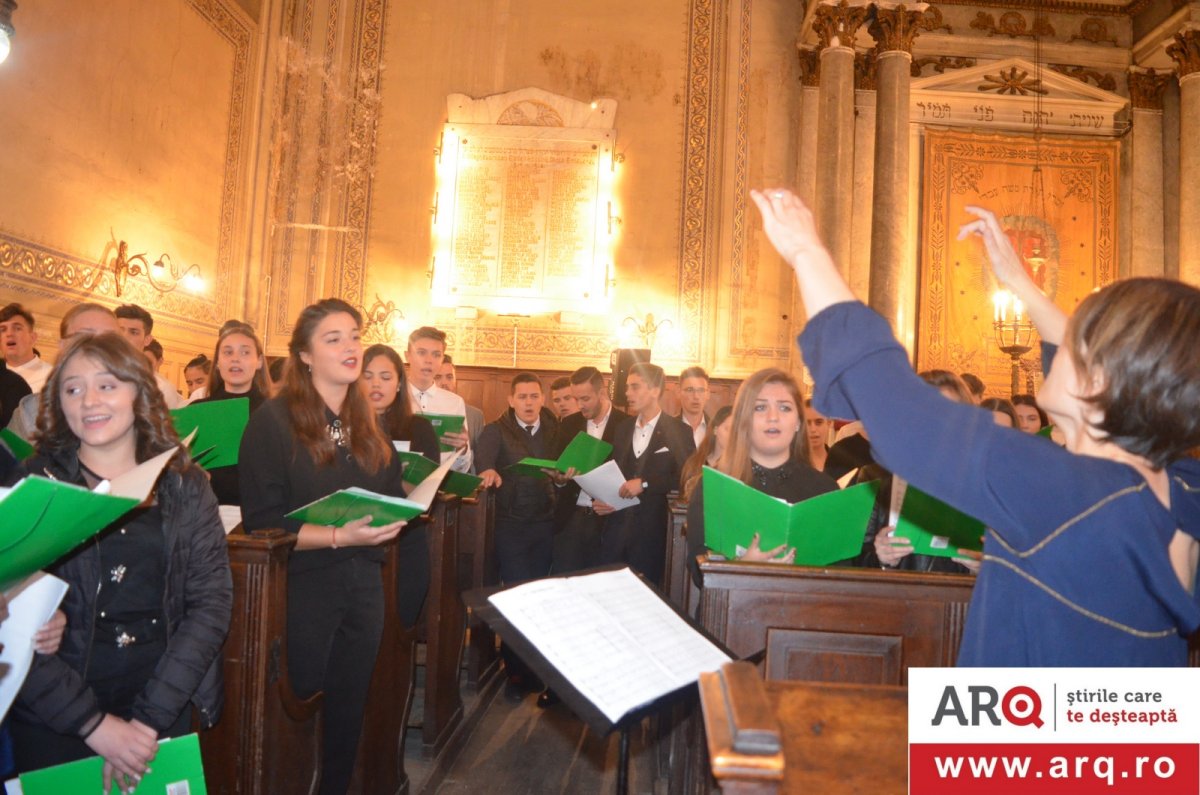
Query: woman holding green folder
point(1091, 551)
point(149, 601)
point(767, 449)
point(317, 436)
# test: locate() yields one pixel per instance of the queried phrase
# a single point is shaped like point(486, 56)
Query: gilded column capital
point(895, 27)
point(1185, 51)
point(836, 24)
point(810, 67)
point(1146, 87)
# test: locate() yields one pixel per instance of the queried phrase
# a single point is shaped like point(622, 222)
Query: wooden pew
point(846, 625)
point(802, 737)
point(477, 569)
point(862, 626)
point(379, 768)
point(678, 580)
point(445, 619)
point(267, 741)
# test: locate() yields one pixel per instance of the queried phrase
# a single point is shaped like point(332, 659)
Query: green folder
point(176, 769)
point(219, 426)
point(934, 528)
point(584, 453)
point(444, 424)
point(44, 519)
point(20, 448)
point(417, 467)
point(824, 529)
point(346, 505)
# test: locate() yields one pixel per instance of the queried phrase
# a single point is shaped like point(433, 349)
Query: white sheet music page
point(611, 636)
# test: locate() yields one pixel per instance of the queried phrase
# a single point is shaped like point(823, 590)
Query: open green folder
point(20, 448)
point(44, 519)
point(177, 769)
point(584, 453)
point(417, 467)
point(346, 505)
point(823, 529)
point(219, 425)
point(444, 424)
point(934, 528)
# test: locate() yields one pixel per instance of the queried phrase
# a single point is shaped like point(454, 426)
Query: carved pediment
point(1005, 94)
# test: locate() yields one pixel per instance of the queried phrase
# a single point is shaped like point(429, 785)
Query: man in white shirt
point(426, 349)
point(577, 525)
point(138, 326)
point(693, 397)
point(17, 336)
point(651, 452)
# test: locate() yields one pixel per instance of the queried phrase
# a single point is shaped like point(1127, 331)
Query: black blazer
point(571, 426)
point(670, 446)
point(503, 443)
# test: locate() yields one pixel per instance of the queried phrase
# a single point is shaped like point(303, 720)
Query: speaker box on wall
point(620, 361)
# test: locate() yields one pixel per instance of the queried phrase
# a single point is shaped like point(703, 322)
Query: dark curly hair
point(152, 425)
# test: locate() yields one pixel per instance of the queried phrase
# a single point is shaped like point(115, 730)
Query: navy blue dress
point(1075, 569)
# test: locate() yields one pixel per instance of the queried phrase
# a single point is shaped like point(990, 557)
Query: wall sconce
point(381, 323)
point(163, 274)
point(7, 31)
point(648, 328)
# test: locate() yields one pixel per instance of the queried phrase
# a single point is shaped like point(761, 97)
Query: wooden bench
point(862, 626)
point(268, 740)
point(803, 737)
point(445, 627)
point(477, 569)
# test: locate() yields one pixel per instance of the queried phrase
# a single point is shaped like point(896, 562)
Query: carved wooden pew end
point(744, 738)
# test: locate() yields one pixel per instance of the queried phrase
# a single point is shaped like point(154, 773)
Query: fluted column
point(836, 26)
point(1185, 51)
point(864, 177)
point(892, 278)
point(806, 166)
point(1146, 145)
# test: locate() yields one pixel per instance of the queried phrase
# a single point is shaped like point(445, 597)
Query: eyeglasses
point(695, 390)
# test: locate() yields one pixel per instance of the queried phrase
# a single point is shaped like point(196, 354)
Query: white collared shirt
point(642, 434)
point(35, 372)
point(436, 400)
point(699, 432)
point(530, 429)
point(596, 431)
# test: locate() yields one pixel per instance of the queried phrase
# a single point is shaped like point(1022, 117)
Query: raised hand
point(1005, 262)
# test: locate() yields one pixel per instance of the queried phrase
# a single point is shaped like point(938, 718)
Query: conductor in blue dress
point(1090, 556)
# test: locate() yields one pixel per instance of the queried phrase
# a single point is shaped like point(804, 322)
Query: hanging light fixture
point(7, 31)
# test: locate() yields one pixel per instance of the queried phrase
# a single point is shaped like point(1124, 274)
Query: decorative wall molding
point(1094, 30)
point(940, 64)
point(1100, 79)
point(1012, 24)
point(1185, 51)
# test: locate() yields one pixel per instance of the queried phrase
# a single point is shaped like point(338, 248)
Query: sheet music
point(611, 636)
point(231, 516)
point(30, 605)
point(603, 482)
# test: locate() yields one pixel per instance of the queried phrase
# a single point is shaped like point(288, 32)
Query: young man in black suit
point(651, 452)
point(577, 525)
point(523, 535)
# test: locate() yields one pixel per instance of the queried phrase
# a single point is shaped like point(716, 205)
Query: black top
point(505, 442)
point(130, 634)
point(224, 480)
point(418, 432)
point(278, 475)
point(12, 388)
point(850, 453)
point(793, 482)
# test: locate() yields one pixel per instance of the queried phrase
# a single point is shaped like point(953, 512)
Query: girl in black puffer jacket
point(150, 598)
